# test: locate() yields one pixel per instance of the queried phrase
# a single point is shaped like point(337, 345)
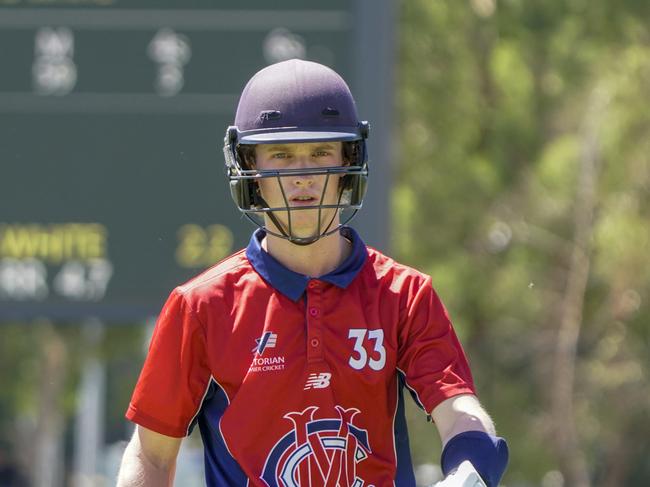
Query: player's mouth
point(304, 200)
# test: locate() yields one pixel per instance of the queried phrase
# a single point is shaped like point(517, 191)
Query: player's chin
point(303, 225)
point(307, 221)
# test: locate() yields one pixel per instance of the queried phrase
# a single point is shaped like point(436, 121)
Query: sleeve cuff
point(149, 422)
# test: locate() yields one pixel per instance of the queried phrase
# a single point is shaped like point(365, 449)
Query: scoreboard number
point(27, 279)
point(84, 281)
point(203, 246)
point(22, 279)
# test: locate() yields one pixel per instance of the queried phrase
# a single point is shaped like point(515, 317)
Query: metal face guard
point(255, 214)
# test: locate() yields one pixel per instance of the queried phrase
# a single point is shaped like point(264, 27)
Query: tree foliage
point(508, 113)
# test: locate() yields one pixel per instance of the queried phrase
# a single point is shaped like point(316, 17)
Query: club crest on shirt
point(318, 452)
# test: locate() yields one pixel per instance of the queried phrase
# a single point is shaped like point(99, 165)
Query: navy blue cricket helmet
point(291, 102)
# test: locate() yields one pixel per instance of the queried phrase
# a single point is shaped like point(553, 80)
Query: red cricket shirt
point(297, 381)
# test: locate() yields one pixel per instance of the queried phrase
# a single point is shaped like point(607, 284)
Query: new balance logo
point(318, 381)
point(267, 340)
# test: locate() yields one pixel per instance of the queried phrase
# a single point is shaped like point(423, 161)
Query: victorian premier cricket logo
point(318, 453)
point(266, 364)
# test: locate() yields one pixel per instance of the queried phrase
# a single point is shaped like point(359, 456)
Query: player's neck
point(317, 259)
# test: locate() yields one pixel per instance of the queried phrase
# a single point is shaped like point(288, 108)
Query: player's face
point(301, 191)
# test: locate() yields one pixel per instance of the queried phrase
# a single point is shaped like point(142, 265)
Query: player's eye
point(279, 155)
point(321, 153)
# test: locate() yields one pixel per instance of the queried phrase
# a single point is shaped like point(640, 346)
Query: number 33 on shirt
point(376, 358)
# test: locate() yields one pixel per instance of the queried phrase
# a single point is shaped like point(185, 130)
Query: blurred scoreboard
point(112, 114)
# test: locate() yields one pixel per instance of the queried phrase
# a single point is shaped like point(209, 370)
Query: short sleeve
point(175, 375)
point(430, 355)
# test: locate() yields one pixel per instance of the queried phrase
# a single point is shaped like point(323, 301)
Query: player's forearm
point(470, 422)
point(139, 471)
point(459, 414)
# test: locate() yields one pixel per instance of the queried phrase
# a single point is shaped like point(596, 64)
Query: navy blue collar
point(293, 284)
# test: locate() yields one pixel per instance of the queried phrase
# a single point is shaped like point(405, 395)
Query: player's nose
point(303, 181)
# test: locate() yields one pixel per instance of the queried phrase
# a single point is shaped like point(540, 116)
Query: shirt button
point(313, 311)
point(315, 342)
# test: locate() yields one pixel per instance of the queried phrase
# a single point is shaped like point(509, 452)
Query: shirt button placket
point(314, 323)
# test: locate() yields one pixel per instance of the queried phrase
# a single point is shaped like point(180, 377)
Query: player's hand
point(464, 476)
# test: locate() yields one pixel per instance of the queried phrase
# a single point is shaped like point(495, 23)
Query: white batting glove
point(464, 476)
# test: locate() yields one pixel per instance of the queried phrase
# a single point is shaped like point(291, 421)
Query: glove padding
point(464, 476)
